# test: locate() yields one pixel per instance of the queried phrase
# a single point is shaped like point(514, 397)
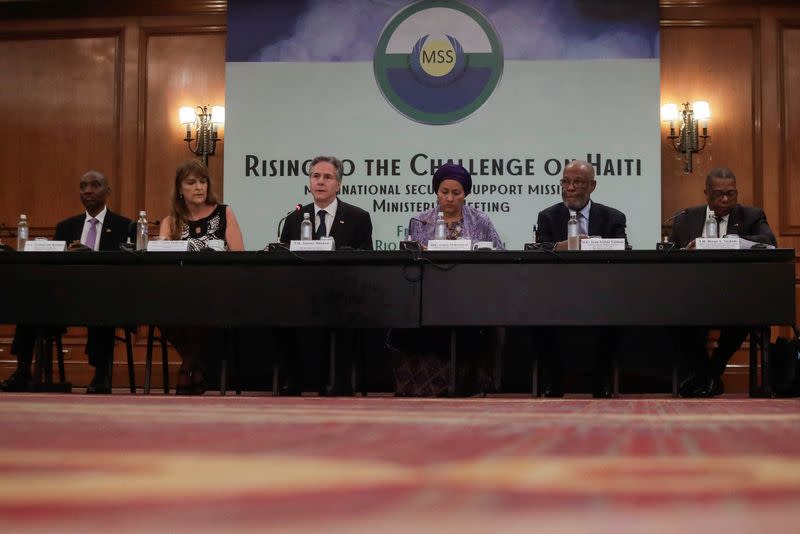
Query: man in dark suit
point(348, 225)
point(96, 229)
point(577, 185)
point(351, 228)
point(746, 222)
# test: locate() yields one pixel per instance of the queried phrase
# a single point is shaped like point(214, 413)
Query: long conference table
point(405, 289)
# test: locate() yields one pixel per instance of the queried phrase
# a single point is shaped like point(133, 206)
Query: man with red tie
point(96, 229)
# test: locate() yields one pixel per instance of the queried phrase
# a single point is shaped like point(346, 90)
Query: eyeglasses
point(716, 195)
point(577, 184)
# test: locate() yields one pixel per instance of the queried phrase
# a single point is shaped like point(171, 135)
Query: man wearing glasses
point(721, 197)
point(577, 186)
point(746, 222)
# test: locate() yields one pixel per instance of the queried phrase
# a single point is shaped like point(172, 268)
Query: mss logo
point(438, 61)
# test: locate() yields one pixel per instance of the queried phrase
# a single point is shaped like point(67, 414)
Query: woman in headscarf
point(422, 355)
point(452, 184)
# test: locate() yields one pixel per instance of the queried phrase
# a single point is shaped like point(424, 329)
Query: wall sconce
point(688, 140)
point(205, 129)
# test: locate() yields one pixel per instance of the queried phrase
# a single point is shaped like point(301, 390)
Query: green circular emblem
point(438, 61)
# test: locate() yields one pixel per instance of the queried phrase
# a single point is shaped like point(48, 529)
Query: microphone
point(420, 221)
point(423, 223)
point(675, 215)
point(410, 243)
point(3, 246)
point(130, 244)
point(666, 245)
point(297, 208)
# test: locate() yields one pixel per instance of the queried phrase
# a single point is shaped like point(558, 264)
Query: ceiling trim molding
point(50, 9)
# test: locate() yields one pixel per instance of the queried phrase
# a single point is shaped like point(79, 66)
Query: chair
point(43, 362)
point(148, 366)
point(129, 353)
point(232, 349)
point(43, 366)
point(358, 365)
point(231, 346)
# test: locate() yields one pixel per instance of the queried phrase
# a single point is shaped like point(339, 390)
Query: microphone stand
point(278, 245)
point(409, 243)
point(3, 246)
point(666, 245)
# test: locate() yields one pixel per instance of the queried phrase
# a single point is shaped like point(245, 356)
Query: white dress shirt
point(330, 213)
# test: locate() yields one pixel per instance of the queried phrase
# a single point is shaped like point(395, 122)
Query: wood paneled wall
point(701, 63)
point(789, 109)
point(744, 58)
point(103, 92)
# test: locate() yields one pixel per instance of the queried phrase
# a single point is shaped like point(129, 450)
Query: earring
point(180, 195)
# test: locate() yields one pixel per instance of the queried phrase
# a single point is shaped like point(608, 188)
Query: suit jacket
point(604, 221)
point(100, 339)
point(748, 222)
point(352, 226)
point(116, 230)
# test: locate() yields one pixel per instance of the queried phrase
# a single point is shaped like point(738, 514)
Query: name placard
point(717, 243)
point(167, 245)
point(483, 245)
point(450, 244)
point(311, 245)
point(44, 245)
point(598, 243)
point(216, 244)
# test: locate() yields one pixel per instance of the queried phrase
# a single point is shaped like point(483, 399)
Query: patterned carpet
point(140, 464)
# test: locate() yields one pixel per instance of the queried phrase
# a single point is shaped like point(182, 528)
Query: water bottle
point(440, 227)
point(573, 233)
point(712, 230)
point(141, 231)
point(306, 228)
point(22, 232)
point(533, 234)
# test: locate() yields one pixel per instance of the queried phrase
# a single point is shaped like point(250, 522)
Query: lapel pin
point(341, 221)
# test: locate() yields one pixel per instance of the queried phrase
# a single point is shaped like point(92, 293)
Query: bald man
point(595, 219)
point(96, 229)
point(577, 186)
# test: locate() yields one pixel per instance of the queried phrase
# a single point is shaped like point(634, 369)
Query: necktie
point(581, 223)
point(91, 236)
point(719, 224)
point(322, 230)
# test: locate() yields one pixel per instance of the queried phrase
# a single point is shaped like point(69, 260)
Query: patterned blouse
point(201, 231)
point(454, 229)
point(474, 225)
